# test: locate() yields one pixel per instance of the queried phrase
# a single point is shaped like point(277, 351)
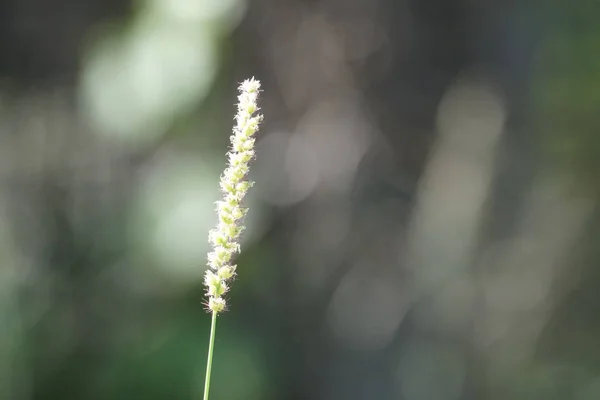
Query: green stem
point(211, 347)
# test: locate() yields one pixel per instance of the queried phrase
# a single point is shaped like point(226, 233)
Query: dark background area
point(424, 224)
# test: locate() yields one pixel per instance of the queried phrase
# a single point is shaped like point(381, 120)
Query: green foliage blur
point(424, 224)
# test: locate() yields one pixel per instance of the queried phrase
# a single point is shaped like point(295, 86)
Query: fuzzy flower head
point(224, 238)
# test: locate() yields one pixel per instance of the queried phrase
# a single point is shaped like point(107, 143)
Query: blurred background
point(425, 222)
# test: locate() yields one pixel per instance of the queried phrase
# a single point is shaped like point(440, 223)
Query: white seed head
point(234, 184)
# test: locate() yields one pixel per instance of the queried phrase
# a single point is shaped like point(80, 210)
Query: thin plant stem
point(211, 348)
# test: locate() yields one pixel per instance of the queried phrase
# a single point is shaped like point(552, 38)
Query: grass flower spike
point(234, 185)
